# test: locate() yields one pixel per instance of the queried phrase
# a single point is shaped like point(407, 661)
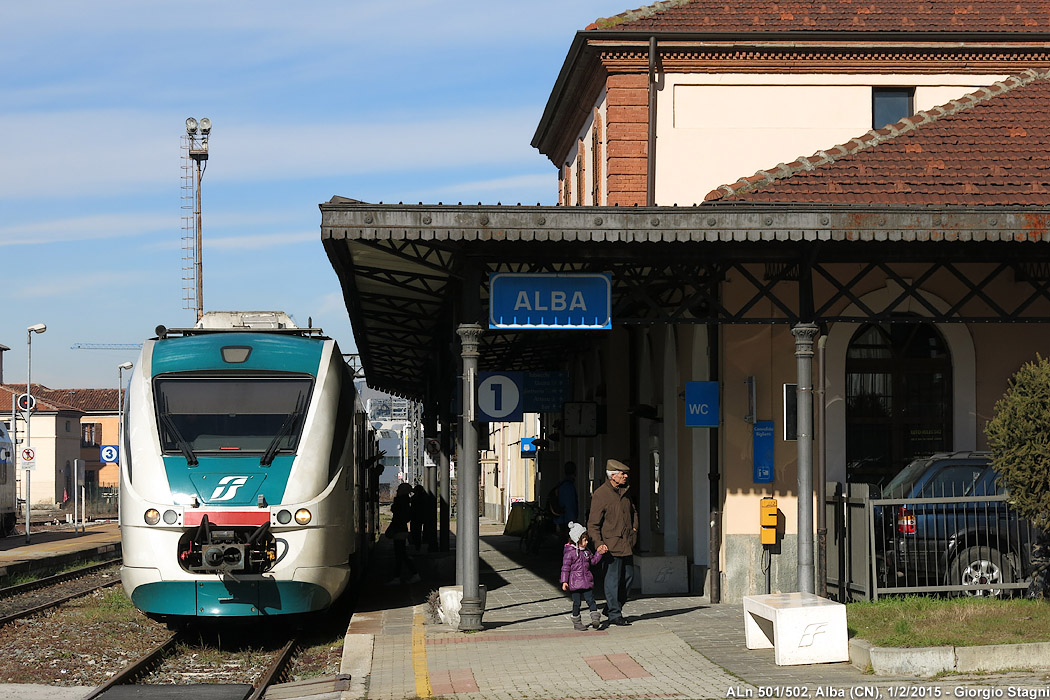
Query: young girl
point(576, 576)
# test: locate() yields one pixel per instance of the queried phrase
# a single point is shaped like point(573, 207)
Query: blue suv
point(949, 527)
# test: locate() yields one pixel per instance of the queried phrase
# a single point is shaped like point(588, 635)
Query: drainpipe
point(650, 194)
point(822, 474)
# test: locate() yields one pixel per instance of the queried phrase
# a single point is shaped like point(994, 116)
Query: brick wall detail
point(627, 139)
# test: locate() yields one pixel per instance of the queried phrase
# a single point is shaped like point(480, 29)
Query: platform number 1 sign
point(499, 397)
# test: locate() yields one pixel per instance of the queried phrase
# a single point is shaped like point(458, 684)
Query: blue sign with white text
point(571, 300)
point(528, 446)
point(763, 451)
point(499, 397)
point(701, 404)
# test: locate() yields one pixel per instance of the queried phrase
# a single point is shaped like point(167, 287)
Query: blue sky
point(416, 100)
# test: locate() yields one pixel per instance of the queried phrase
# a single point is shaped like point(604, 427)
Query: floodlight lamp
point(37, 328)
point(191, 125)
point(126, 365)
point(205, 125)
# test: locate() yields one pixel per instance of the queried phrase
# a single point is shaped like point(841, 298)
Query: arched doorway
point(898, 398)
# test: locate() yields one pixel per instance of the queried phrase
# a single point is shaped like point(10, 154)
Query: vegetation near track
point(919, 621)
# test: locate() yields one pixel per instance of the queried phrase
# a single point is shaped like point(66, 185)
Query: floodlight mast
point(197, 148)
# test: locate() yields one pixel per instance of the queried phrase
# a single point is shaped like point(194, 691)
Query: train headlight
point(284, 517)
point(302, 516)
point(152, 516)
point(170, 517)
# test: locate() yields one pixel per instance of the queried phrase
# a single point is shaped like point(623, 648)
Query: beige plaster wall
point(56, 439)
point(714, 129)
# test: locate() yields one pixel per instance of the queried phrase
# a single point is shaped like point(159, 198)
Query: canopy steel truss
point(407, 272)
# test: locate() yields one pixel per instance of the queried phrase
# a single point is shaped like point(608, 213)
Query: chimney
point(3, 349)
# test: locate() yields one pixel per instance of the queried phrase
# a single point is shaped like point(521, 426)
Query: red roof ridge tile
point(937, 16)
point(874, 137)
point(631, 15)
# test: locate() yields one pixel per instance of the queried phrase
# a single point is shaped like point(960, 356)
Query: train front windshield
point(230, 415)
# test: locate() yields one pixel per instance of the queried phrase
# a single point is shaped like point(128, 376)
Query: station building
point(846, 196)
point(68, 424)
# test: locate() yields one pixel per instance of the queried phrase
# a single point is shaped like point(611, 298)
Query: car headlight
point(302, 516)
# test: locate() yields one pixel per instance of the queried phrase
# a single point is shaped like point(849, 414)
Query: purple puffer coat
point(576, 566)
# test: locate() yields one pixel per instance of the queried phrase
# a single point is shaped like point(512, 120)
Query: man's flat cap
point(615, 465)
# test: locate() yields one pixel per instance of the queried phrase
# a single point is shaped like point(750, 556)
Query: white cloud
point(56, 160)
point(79, 285)
point(83, 228)
point(260, 241)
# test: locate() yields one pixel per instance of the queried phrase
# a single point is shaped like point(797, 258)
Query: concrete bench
point(801, 628)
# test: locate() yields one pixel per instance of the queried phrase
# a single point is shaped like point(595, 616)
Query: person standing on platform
point(613, 523)
point(401, 512)
point(563, 502)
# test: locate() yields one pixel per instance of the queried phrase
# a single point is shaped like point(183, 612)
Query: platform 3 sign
point(581, 301)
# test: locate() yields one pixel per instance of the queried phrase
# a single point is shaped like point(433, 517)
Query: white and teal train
point(247, 482)
point(8, 492)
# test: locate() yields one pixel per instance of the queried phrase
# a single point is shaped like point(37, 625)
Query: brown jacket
point(613, 520)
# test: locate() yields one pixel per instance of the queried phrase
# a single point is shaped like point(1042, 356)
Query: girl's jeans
point(583, 594)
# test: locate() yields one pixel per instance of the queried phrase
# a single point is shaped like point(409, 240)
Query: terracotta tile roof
point(1016, 16)
point(986, 148)
point(85, 400)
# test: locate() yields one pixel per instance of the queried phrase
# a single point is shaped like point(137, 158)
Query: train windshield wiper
point(286, 428)
point(180, 442)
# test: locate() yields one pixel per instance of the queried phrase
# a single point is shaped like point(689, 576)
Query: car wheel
point(982, 565)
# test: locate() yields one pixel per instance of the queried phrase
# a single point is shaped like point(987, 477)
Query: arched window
point(898, 398)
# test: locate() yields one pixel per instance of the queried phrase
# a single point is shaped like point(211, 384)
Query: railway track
point(177, 654)
point(32, 598)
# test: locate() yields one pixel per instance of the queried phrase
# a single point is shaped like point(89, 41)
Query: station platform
point(676, 646)
point(54, 548)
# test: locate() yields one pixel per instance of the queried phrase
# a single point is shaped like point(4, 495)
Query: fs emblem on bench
point(809, 635)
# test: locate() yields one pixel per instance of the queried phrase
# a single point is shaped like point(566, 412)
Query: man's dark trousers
point(619, 579)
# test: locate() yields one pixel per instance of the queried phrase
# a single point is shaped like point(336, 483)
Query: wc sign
point(701, 404)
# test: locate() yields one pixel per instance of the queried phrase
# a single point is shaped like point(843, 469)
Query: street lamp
point(35, 328)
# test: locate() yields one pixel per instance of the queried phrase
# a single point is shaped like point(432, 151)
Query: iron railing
point(972, 545)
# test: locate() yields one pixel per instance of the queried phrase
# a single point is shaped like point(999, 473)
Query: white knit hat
point(576, 531)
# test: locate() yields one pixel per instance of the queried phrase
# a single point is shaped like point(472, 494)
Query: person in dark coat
point(401, 512)
point(613, 523)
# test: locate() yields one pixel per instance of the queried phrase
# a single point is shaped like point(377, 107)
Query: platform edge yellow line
point(419, 657)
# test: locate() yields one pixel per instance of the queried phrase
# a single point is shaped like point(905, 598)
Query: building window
point(890, 105)
point(67, 426)
point(90, 434)
point(898, 399)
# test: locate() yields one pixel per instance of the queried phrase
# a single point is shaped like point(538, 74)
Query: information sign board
point(532, 300)
point(763, 451)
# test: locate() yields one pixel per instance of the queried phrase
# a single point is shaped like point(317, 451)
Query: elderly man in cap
point(613, 522)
